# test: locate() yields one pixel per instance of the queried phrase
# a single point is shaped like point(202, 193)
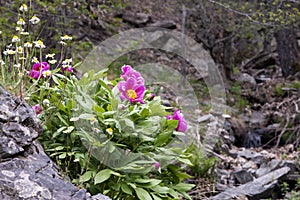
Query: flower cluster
point(39, 69)
point(132, 88)
point(182, 124)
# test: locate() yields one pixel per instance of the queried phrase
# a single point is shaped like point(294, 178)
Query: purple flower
point(38, 69)
point(151, 97)
point(37, 108)
point(182, 124)
point(67, 68)
point(131, 90)
point(156, 165)
point(128, 72)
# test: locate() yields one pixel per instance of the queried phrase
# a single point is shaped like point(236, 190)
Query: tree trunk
point(287, 48)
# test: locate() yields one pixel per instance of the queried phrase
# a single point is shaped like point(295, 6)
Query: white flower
point(17, 65)
point(66, 37)
point(47, 73)
point(52, 62)
point(28, 45)
point(24, 33)
point(15, 39)
point(62, 43)
point(50, 55)
point(34, 60)
point(20, 50)
point(23, 7)
point(46, 102)
point(34, 20)
point(9, 52)
point(109, 131)
point(39, 44)
point(2, 62)
point(18, 28)
point(67, 61)
point(0, 32)
point(21, 21)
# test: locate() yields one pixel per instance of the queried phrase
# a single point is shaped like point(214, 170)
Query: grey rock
point(248, 154)
point(204, 118)
point(257, 189)
point(137, 19)
point(243, 176)
point(267, 167)
point(246, 78)
point(26, 172)
point(169, 24)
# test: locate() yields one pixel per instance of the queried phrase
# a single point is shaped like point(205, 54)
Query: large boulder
point(26, 172)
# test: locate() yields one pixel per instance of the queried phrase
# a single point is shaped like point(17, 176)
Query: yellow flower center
point(131, 94)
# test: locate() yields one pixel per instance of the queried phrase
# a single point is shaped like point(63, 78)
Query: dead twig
point(282, 131)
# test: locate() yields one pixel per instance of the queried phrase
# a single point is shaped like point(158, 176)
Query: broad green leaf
point(183, 187)
point(163, 138)
point(142, 194)
point(58, 132)
point(102, 176)
point(62, 156)
point(172, 124)
point(161, 189)
point(147, 183)
point(125, 188)
point(86, 176)
point(155, 197)
point(185, 161)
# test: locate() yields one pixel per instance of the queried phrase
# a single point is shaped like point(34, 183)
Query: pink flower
point(128, 72)
point(38, 69)
point(67, 68)
point(37, 108)
point(182, 124)
point(131, 90)
point(156, 165)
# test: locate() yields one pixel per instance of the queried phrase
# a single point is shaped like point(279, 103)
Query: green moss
point(278, 90)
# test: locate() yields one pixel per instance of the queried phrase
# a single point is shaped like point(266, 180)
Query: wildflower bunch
point(25, 65)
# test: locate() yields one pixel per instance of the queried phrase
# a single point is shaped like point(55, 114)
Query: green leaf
point(185, 161)
point(172, 124)
point(148, 183)
point(156, 108)
point(62, 156)
point(183, 187)
point(163, 138)
point(62, 119)
point(102, 176)
point(125, 188)
point(57, 81)
point(57, 133)
point(142, 194)
point(161, 189)
point(155, 197)
point(128, 123)
point(69, 129)
point(86, 176)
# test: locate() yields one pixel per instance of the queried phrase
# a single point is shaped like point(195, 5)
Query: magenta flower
point(67, 68)
point(37, 108)
point(38, 69)
point(131, 90)
point(128, 72)
point(182, 124)
point(156, 165)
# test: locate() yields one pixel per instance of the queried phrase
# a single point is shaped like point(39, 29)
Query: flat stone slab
point(256, 189)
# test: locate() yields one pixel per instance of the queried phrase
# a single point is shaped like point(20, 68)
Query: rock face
point(26, 172)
